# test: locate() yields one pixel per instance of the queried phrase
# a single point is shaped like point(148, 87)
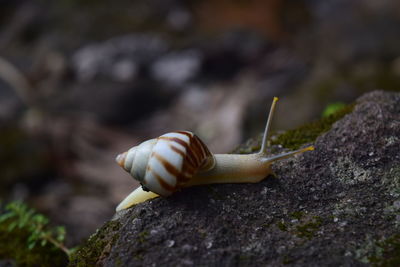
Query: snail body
point(180, 159)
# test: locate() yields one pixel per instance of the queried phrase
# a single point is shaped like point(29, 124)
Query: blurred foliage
point(352, 78)
point(332, 108)
point(21, 158)
point(27, 238)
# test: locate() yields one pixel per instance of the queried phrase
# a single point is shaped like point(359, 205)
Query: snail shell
point(164, 164)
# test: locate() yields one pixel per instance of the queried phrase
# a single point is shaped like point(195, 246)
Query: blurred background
point(83, 80)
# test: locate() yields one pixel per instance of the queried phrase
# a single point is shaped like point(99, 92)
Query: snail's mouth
point(120, 159)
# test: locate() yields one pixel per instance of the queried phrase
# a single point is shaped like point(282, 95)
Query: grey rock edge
point(324, 207)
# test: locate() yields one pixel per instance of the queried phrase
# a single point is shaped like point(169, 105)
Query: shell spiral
point(163, 165)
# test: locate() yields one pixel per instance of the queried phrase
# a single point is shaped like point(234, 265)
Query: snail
point(180, 159)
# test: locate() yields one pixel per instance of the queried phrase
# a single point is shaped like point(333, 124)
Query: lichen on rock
point(97, 247)
point(335, 205)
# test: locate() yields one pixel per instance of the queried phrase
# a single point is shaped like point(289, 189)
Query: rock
point(337, 205)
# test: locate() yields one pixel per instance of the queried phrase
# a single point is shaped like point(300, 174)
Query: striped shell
point(164, 164)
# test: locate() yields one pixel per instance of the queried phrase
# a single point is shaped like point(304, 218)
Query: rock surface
point(337, 205)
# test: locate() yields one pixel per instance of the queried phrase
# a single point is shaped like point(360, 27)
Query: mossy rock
point(96, 247)
point(336, 205)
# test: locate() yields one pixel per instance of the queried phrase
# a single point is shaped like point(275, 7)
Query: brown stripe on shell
point(199, 154)
point(190, 160)
point(190, 168)
point(163, 183)
point(181, 153)
point(160, 180)
point(182, 143)
point(189, 152)
point(176, 140)
point(203, 146)
point(185, 175)
point(188, 134)
point(199, 147)
point(177, 150)
point(207, 164)
point(195, 147)
point(192, 154)
point(196, 157)
point(192, 140)
point(168, 166)
point(209, 159)
point(181, 180)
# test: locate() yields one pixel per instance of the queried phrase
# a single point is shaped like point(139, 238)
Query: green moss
point(282, 226)
point(287, 260)
point(391, 180)
point(267, 225)
point(118, 262)
point(389, 252)
point(309, 229)
point(385, 252)
point(97, 245)
point(243, 257)
point(307, 133)
point(142, 236)
point(297, 215)
point(138, 256)
point(304, 227)
point(252, 145)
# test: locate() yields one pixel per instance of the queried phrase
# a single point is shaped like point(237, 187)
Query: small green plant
point(332, 108)
point(16, 217)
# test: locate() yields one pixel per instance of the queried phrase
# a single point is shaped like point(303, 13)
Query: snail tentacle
point(264, 143)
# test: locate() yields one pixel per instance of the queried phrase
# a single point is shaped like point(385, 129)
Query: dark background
point(81, 81)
